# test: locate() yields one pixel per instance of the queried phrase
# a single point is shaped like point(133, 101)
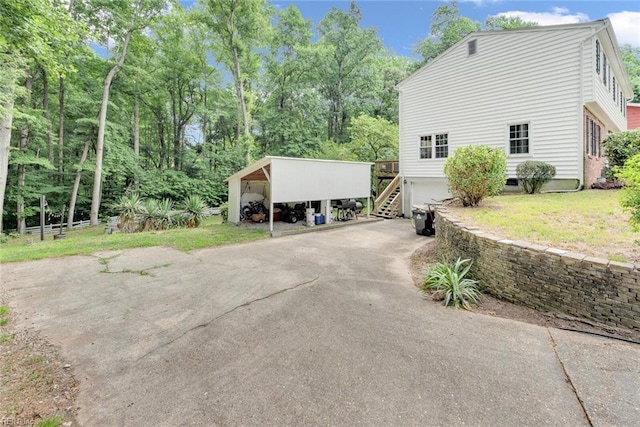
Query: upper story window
point(623, 102)
point(425, 147)
point(472, 46)
point(598, 56)
point(519, 138)
point(604, 69)
point(615, 91)
point(442, 145)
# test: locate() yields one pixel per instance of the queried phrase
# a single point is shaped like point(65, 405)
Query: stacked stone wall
point(548, 279)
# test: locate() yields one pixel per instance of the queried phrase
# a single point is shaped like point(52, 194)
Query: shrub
point(532, 175)
point(224, 211)
point(128, 206)
point(475, 172)
point(450, 285)
point(194, 211)
point(629, 174)
point(621, 146)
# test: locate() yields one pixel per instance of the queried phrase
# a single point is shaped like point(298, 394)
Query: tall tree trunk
point(76, 185)
point(136, 136)
point(47, 114)
point(6, 122)
point(102, 119)
point(22, 170)
point(61, 131)
point(243, 105)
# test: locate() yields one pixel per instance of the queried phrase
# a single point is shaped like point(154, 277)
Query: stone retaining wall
point(547, 279)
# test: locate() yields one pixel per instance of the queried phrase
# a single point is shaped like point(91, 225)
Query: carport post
point(270, 214)
point(368, 207)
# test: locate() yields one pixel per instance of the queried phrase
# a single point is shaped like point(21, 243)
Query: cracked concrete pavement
point(321, 328)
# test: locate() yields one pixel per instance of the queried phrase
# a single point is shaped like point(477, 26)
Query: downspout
point(581, 155)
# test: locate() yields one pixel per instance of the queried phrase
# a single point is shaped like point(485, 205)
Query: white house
point(544, 93)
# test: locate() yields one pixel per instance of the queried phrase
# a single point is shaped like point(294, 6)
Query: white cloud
point(480, 2)
point(557, 16)
point(627, 27)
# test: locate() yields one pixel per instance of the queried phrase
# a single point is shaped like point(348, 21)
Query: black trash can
point(424, 221)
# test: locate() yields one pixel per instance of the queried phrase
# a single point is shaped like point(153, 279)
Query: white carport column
point(270, 215)
point(368, 207)
point(328, 211)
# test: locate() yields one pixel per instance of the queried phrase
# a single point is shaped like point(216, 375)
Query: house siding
point(593, 163)
point(633, 116)
point(511, 80)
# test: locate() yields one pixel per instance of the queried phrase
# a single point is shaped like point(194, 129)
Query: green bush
point(450, 285)
point(194, 211)
point(629, 174)
point(621, 146)
point(476, 172)
point(532, 175)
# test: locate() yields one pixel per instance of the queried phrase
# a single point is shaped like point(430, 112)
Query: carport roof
point(256, 171)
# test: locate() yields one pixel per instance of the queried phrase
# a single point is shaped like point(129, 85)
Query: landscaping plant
point(194, 211)
point(619, 147)
point(533, 174)
point(450, 284)
point(630, 195)
point(476, 172)
point(129, 206)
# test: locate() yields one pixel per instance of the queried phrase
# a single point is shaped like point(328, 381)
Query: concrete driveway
point(321, 329)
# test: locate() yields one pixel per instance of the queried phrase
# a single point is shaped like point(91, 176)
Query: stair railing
point(393, 185)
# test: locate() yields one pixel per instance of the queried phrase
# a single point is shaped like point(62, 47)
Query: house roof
point(597, 26)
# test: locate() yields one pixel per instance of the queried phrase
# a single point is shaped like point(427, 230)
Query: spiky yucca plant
point(449, 284)
point(129, 206)
point(162, 219)
point(148, 212)
point(193, 208)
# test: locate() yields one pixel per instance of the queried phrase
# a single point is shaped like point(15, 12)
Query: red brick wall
point(593, 164)
point(633, 116)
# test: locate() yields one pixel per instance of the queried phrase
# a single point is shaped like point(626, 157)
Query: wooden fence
point(55, 228)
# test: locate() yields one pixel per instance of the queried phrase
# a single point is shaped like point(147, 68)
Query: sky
point(402, 23)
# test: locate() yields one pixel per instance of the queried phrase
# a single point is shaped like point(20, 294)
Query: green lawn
point(590, 222)
point(89, 240)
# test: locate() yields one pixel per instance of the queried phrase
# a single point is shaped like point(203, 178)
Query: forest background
point(177, 100)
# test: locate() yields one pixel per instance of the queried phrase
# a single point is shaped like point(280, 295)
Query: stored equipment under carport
point(423, 219)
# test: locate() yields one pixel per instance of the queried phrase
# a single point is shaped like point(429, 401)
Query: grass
point(590, 222)
point(4, 316)
point(51, 422)
point(92, 239)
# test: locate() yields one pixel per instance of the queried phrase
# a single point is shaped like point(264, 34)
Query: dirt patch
point(489, 305)
point(36, 383)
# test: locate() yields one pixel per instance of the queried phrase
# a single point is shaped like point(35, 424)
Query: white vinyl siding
point(476, 98)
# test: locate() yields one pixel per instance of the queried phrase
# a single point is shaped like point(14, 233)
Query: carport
point(288, 180)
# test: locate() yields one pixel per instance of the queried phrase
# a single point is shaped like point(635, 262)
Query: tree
point(629, 174)
point(507, 23)
point(291, 116)
point(349, 54)
point(476, 172)
point(116, 21)
point(374, 138)
point(237, 27)
point(631, 58)
point(447, 28)
point(30, 31)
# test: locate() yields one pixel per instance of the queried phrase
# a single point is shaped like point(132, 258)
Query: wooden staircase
point(387, 204)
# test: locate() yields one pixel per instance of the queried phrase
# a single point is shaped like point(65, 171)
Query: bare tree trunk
point(6, 122)
point(243, 105)
point(76, 185)
point(22, 170)
point(102, 119)
point(136, 137)
point(47, 114)
point(61, 132)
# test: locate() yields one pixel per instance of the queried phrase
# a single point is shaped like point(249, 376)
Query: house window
point(425, 147)
point(615, 91)
point(519, 139)
point(604, 69)
point(442, 145)
point(597, 56)
point(473, 47)
point(593, 136)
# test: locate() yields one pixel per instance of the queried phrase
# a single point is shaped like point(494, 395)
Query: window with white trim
point(442, 146)
point(472, 47)
point(597, 56)
point(425, 147)
point(604, 69)
point(615, 90)
point(519, 138)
